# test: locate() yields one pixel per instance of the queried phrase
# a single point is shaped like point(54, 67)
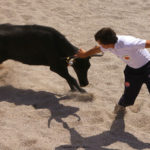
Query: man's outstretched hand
point(81, 53)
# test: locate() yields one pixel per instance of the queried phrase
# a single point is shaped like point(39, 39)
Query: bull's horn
point(98, 55)
point(70, 60)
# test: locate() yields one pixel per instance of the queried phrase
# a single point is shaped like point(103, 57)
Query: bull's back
point(30, 44)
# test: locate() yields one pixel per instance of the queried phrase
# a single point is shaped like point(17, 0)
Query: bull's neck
point(71, 51)
point(74, 50)
point(67, 48)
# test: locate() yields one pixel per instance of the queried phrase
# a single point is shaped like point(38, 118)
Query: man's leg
point(148, 82)
point(131, 91)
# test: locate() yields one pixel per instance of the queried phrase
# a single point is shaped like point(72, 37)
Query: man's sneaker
point(119, 109)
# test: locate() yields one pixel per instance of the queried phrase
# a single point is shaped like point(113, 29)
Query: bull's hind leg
point(2, 59)
point(63, 72)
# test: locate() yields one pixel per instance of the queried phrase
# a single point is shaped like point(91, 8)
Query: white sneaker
point(119, 109)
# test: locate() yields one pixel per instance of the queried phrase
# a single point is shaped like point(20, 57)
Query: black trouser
point(134, 78)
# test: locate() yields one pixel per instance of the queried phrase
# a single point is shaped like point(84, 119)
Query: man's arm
point(147, 45)
point(83, 54)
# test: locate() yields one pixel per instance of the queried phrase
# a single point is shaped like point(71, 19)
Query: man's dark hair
point(106, 36)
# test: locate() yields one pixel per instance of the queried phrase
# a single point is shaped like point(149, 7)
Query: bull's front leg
point(73, 84)
point(63, 72)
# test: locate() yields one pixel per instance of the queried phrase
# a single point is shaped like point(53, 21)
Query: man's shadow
point(39, 100)
point(116, 133)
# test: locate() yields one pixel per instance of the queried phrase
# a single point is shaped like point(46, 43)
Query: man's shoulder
point(124, 41)
point(125, 37)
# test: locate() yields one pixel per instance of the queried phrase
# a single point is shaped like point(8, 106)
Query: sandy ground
point(33, 98)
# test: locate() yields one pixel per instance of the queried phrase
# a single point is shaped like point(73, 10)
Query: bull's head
point(81, 66)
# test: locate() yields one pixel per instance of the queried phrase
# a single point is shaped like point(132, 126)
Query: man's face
point(106, 46)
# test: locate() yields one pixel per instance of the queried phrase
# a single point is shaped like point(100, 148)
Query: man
point(133, 52)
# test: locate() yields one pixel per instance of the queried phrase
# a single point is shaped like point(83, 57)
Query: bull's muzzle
point(83, 84)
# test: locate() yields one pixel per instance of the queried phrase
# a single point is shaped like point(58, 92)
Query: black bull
point(40, 45)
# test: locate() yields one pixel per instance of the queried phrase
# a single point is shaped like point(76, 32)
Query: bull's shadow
point(39, 100)
point(116, 133)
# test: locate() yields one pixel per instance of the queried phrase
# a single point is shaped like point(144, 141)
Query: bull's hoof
point(73, 90)
point(78, 90)
point(82, 91)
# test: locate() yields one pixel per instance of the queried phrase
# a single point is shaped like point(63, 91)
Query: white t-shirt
point(131, 50)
